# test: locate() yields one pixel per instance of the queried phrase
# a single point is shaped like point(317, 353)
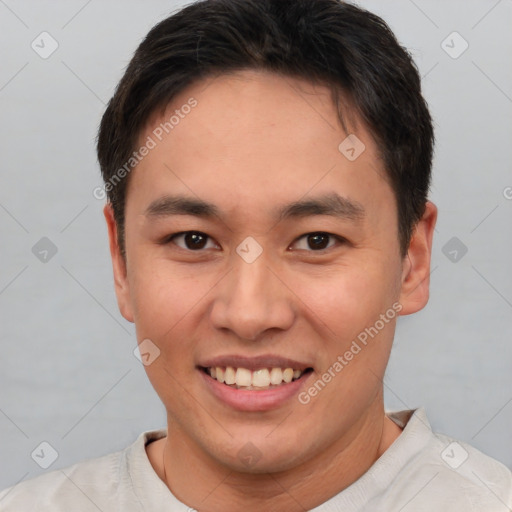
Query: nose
point(252, 299)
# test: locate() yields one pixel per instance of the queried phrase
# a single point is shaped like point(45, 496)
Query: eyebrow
point(328, 204)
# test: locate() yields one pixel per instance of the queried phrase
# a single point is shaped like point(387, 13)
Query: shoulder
point(101, 483)
point(447, 474)
point(485, 482)
point(75, 487)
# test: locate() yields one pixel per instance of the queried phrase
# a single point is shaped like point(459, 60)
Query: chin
point(259, 454)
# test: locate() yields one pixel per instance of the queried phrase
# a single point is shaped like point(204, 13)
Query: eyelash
point(339, 239)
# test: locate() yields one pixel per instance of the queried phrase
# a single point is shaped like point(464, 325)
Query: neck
point(204, 483)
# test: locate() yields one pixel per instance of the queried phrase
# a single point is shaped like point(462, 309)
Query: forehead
point(257, 103)
point(260, 134)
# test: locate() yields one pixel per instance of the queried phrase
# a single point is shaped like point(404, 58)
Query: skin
point(254, 141)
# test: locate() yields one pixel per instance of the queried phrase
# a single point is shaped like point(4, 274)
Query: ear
point(119, 266)
point(416, 264)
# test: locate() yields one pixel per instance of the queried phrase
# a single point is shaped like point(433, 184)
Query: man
point(267, 165)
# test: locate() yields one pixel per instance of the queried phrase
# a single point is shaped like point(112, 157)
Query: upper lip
point(254, 363)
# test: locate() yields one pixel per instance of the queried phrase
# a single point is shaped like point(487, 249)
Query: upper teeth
point(242, 377)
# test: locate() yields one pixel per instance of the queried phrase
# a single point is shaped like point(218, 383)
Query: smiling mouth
point(263, 378)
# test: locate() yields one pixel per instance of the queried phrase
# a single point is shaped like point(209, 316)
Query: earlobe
point(416, 264)
point(121, 283)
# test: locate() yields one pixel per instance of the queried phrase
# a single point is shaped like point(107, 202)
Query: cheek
point(169, 303)
point(164, 306)
point(355, 341)
point(161, 296)
point(347, 300)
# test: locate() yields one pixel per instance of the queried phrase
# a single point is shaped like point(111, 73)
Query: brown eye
point(193, 240)
point(318, 241)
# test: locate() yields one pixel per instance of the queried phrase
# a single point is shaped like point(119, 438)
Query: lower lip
point(252, 400)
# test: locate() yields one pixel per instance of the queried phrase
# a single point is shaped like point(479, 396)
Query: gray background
point(68, 375)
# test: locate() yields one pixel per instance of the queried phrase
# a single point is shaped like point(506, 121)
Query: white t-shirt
point(420, 472)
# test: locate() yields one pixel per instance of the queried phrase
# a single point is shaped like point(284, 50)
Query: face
point(289, 257)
